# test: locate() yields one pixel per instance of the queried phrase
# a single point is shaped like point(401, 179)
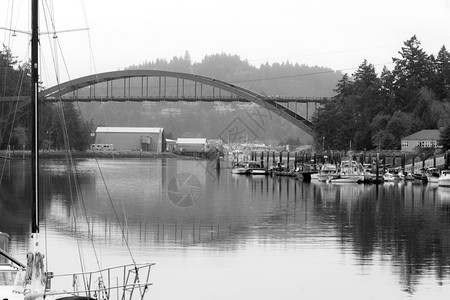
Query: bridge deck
point(98, 98)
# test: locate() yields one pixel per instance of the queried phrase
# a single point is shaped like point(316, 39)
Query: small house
point(427, 138)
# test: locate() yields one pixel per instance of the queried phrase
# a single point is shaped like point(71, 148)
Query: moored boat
point(409, 176)
point(350, 171)
point(432, 175)
point(420, 176)
point(444, 178)
point(239, 170)
point(389, 177)
point(328, 172)
point(255, 168)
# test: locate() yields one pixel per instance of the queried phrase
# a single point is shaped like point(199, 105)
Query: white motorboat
point(389, 177)
point(444, 178)
point(432, 175)
point(350, 171)
point(255, 168)
point(327, 172)
point(239, 168)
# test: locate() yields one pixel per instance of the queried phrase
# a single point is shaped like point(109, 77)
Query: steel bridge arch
point(67, 87)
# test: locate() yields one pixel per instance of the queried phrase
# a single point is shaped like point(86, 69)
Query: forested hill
point(209, 119)
point(285, 79)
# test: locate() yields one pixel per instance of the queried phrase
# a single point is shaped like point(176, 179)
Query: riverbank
point(54, 154)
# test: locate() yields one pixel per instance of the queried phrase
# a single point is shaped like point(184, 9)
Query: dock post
point(295, 160)
point(434, 160)
point(267, 164)
point(217, 160)
point(403, 162)
point(281, 158)
point(273, 158)
point(287, 163)
point(377, 168)
point(262, 159)
point(447, 160)
point(412, 167)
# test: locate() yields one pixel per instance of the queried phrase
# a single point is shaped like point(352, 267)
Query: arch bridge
point(155, 85)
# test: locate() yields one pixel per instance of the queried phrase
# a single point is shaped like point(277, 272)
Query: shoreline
point(44, 154)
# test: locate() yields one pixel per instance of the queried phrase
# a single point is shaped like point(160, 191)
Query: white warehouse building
point(132, 138)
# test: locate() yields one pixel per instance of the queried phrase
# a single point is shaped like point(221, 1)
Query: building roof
point(426, 134)
point(191, 141)
point(129, 129)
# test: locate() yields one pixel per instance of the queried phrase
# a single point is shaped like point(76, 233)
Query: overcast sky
point(335, 34)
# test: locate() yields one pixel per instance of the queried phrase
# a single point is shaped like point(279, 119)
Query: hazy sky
point(335, 34)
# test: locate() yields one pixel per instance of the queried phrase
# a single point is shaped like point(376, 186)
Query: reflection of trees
point(15, 199)
point(405, 222)
point(405, 225)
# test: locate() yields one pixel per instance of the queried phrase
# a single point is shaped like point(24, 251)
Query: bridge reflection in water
point(401, 228)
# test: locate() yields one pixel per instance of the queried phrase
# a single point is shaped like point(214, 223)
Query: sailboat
point(130, 281)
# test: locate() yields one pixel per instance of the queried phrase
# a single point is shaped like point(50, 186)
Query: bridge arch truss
point(156, 85)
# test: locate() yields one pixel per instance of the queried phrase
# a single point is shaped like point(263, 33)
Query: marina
point(343, 168)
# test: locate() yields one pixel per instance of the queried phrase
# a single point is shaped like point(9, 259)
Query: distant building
point(427, 138)
point(171, 111)
point(247, 106)
point(132, 138)
point(215, 142)
point(222, 108)
point(192, 144)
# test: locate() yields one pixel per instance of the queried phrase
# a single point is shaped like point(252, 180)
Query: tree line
point(372, 111)
point(60, 125)
point(369, 110)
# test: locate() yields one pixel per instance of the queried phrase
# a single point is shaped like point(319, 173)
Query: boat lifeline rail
point(133, 277)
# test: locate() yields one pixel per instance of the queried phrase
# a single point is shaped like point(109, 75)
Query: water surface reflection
point(391, 240)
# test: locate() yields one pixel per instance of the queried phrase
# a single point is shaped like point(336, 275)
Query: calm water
point(214, 235)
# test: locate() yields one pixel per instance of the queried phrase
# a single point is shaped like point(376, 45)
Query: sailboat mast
point(34, 115)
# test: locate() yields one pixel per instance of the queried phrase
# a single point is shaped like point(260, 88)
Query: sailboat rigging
point(130, 281)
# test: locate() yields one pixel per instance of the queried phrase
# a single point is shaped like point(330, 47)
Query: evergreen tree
point(441, 82)
point(445, 137)
point(69, 129)
point(387, 91)
point(19, 137)
point(14, 81)
point(412, 71)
